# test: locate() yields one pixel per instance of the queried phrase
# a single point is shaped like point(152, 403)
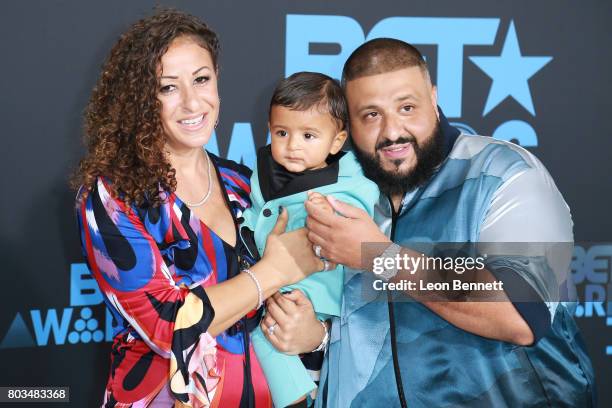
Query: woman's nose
point(190, 100)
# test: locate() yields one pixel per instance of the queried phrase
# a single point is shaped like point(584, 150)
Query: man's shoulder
point(469, 146)
point(498, 158)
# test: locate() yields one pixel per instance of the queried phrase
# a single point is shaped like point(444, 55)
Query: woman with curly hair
point(159, 226)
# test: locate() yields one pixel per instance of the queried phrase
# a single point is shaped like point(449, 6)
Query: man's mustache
point(398, 141)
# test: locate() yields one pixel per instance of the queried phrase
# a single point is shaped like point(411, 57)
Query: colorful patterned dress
point(153, 266)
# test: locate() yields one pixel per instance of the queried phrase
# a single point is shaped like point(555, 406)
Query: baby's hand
point(320, 201)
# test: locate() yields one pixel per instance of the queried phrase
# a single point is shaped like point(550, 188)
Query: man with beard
point(442, 186)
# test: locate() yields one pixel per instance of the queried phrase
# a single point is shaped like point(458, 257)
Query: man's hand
point(341, 235)
point(296, 328)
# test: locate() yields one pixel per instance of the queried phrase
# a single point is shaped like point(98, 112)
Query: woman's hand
point(290, 254)
point(296, 328)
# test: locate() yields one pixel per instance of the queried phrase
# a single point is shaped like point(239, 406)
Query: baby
point(308, 125)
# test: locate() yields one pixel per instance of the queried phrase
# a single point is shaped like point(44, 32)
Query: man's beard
point(393, 183)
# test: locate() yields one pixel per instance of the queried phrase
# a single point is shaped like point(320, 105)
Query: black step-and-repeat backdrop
point(536, 73)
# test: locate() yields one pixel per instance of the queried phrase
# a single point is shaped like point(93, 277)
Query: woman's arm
point(130, 271)
point(288, 258)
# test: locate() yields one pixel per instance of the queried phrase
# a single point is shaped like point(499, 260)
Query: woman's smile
point(194, 123)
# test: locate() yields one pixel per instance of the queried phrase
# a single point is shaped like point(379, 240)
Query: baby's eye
point(167, 88)
point(281, 133)
point(309, 136)
point(202, 79)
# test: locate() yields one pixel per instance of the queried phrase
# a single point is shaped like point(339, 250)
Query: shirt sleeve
point(527, 234)
point(127, 264)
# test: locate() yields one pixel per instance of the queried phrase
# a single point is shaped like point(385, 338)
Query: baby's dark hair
point(304, 90)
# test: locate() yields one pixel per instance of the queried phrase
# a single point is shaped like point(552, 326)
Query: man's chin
point(399, 167)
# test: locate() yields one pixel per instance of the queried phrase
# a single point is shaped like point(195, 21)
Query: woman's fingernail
point(280, 209)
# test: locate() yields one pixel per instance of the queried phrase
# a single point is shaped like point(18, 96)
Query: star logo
point(510, 73)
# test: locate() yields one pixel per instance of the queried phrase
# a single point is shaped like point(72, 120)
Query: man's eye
point(371, 115)
point(167, 88)
point(408, 108)
point(281, 133)
point(202, 79)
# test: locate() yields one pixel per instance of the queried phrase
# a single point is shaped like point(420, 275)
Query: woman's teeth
point(193, 121)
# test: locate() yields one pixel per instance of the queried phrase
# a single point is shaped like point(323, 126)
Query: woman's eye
point(407, 108)
point(202, 79)
point(281, 133)
point(371, 115)
point(167, 88)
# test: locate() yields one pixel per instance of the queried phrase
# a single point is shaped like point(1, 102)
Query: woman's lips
point(193, 124)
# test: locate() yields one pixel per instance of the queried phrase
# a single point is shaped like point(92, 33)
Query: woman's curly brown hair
point(123, 129)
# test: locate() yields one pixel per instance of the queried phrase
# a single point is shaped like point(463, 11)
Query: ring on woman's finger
point(271, 329)
point(317, 250)
point(326, 265)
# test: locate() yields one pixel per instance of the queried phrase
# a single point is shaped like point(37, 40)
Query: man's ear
point(338, 142)
point(434, 100)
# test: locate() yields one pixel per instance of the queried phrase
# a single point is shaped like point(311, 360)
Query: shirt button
point(267, 212)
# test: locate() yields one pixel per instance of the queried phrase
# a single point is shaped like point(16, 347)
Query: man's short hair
point(304, 90)
point(382, 55)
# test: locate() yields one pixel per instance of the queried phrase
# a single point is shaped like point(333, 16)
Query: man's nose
point(190, 100)
point(392, 128)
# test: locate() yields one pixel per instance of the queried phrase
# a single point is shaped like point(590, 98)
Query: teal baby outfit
point(273, 186)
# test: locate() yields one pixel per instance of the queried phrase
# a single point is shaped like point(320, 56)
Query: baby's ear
point(338, 142)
